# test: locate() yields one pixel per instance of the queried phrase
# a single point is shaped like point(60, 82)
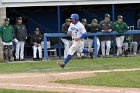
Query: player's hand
point(35, 43)
point(103, 30)
point(110, 30)
point(77, 39)
point(69, 33)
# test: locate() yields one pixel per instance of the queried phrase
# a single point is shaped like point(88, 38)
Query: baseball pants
point(90, 44)
point(8, 51)
point(20, 49)
point(67, 44)
point(105, 50)
point(35, 48)
point(119, 42)
point(76, 46)
point(133, 45)
point(78, 53)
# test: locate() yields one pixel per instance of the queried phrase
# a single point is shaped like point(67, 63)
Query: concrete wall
point(2, 16)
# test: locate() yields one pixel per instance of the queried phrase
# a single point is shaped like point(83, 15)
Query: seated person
point(36, 40)
point(133, 45)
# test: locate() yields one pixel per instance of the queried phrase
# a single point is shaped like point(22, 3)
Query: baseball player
point(93, 28)
point(36, 40)
point(84, 22)
point(120, 27)
point(106, 26)
point(21, 36)
point(129, 42)
point(78, 33)
point(66, 40)
point(7, 35)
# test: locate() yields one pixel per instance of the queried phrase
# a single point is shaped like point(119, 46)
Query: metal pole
point(95, 46)
point(45, 48)
point(113, 19)
point(113, 12)
point(58, 14)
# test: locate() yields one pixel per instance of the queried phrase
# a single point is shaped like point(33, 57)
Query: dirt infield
point(42, 82)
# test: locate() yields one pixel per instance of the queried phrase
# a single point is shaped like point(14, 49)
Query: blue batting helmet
point(74, 16)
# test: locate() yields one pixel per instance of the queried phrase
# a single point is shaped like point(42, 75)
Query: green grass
point(21, 91)
point(112, 79)
point(73, 65)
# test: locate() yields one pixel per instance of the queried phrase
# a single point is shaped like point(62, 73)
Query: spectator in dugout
point(131, 44)
point(66, 40)
point(7, 35)
point(120, 27)
point(21, 36)
point(36, 40)
point(106, 26)
point(138, 24)
point(93, 28)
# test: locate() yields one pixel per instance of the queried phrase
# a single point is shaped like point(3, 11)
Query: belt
point(79, 40)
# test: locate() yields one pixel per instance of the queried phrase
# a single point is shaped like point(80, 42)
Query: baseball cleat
point(62, 65)
point(91, 55)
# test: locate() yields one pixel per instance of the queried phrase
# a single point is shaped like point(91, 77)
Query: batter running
point(78, 33)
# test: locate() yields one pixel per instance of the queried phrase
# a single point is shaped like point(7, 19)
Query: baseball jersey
point(77, 29)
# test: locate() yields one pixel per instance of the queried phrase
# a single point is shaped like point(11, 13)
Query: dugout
point(49, 15)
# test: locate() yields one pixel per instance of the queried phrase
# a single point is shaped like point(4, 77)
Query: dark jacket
point(20, 32)
point(138, 24)
point(87, 27)
point(106, 26)
point(93, 29)
point(65, 30)
point(36, 38)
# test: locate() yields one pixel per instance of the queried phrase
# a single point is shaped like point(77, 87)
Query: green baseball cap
point(19, 18)
point(67, 20)
point(6, 19)
point(37, 29)
point(107, 15)
point(94, 21)
point(84, 20)
point(120, 17)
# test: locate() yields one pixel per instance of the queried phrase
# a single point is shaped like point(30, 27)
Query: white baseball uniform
point(77, 30)
point(119, 42)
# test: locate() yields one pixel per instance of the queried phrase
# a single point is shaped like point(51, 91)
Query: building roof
point(25, 3)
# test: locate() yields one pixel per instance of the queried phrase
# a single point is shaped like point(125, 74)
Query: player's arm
point(69, 32)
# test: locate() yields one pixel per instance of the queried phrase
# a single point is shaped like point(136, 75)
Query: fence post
point(95, 46)
point(45, 47)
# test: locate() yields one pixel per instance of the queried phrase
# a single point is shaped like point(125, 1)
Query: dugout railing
point(95, 35)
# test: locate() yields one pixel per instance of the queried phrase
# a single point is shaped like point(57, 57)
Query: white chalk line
point(71, 88)
point(67, 73)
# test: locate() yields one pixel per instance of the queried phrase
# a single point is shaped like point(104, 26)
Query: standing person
point(21, 36)
point(93, 28)
point(77, 32)
point(36, 40)
point(138, 24)
point(106, 26)
point(66, 40)
point(120, 27)
point(7, 35)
